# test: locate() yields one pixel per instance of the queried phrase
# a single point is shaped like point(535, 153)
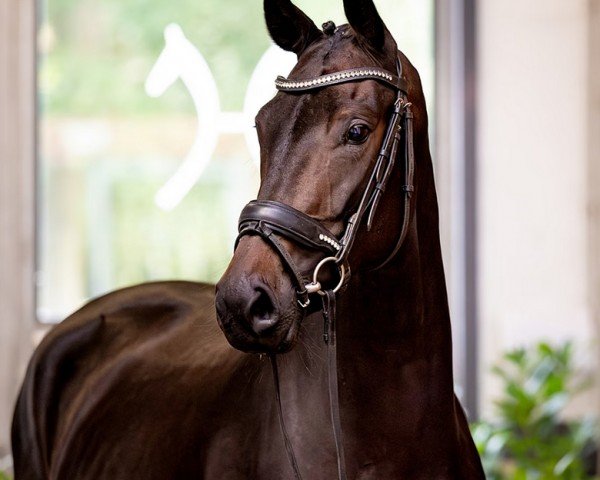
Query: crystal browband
point(354, 74)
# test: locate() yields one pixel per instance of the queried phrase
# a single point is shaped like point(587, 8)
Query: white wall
point(532, 152)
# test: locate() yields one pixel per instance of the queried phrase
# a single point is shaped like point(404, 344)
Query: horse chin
point(281, 339)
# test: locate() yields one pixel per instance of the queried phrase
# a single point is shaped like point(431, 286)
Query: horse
point(142, 383)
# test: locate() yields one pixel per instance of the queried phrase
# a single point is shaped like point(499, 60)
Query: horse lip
point(241, 337)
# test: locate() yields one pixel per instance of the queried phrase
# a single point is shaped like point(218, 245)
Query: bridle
point(270, 219)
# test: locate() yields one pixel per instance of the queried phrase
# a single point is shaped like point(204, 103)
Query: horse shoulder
point(118, 377)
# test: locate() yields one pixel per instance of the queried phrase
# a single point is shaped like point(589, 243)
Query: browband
point(345, 76)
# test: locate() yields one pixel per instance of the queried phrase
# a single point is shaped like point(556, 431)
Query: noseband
point(270, 220)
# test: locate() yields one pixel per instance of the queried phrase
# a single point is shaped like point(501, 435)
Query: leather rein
point(271, 220)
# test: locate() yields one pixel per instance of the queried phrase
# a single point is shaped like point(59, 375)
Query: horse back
point(129, 386)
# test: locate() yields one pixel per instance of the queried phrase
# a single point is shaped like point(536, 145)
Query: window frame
point(17, 200)
point(456, 175)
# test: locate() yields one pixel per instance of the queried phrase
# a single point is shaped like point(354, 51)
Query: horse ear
point(366, 22)
point(290, 27)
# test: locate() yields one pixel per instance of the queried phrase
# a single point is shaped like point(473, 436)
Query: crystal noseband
point(290, 223)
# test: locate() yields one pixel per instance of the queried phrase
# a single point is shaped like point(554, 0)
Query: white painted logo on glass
point(181, 59)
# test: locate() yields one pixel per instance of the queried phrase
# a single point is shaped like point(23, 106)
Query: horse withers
point(141, 383)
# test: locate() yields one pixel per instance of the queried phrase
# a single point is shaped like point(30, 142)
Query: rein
point(270, 220)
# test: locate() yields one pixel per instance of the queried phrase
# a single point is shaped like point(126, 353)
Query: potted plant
point(530, 440)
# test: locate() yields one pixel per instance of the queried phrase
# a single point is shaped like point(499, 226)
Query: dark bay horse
point(141, 383)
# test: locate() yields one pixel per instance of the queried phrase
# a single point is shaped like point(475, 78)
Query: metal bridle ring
point(315, 285)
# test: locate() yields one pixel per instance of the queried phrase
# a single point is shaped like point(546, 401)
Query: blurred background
point(127, 151)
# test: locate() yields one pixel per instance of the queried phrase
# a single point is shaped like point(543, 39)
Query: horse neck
point(402, 311)
point(393, 340)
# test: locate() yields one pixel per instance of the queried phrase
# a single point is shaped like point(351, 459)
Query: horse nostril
point(261, 312)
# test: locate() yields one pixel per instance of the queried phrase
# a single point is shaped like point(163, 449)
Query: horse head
point(319, 147)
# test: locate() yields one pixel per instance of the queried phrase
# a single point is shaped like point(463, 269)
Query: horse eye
point(357, 134)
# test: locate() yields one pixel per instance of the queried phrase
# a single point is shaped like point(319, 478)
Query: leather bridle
point(270, 220)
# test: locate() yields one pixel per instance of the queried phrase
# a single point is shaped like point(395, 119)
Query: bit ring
point(315, 285)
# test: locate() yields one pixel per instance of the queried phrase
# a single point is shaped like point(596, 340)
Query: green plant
point(530, 440)
point(4, 476)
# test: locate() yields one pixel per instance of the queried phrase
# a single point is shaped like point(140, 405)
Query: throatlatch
point(270, 220)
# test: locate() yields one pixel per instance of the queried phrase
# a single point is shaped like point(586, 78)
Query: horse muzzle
point(256, 301)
